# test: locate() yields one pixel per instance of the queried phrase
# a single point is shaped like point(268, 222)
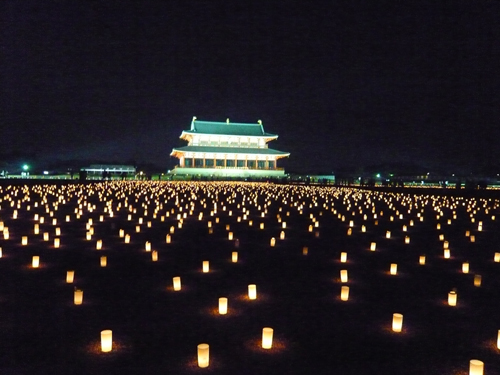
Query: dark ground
point(156, 330)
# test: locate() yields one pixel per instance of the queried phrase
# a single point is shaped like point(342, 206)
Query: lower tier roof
point(230, 150)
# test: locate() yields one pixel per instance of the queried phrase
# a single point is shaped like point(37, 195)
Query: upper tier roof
point(231, 128)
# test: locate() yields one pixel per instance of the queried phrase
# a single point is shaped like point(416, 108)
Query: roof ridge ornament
point(227, 120)
point(260, 122)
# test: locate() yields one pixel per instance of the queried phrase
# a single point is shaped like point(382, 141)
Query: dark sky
point(343, 83)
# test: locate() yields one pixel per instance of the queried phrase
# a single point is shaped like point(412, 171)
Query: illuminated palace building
point(225, 149)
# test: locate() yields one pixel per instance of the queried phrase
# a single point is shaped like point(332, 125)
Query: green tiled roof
point(231, 150)
point(232, 128)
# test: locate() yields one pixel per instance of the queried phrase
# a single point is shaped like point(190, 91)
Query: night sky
point(343, 83)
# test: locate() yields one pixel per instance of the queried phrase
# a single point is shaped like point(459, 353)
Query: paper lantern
point(477, 280)
point(70, 275)
point(137, 228)
point(394, 269)
point(447, 254)
point(465, 267)
point(476, 367)
point(24, 240)
point(168, 238)
point(343, 257)
point(222, 305)
point(472, 238)
point(349, 231)
point(88, 236)
point(1, 252)
point(305, 250)
point(230, 236)
point(363, 228)
point(98, 245)
point(388, 234)
point(234, 257)
point(58, 231)
point(283, 225)
point(177, 283)
point(344, 293)
point(498, 339)
point(104, 261)
point(46, 236)
point(496, 258)
point(282, 235)
point(154, 256)
point(452, 298)
point(343, 276)
point(252, 291)
point(273, 241)
point(261, 225)
point(206, 266)
point(35, 261)
point(36, 229)
point(397, 322)
point(438, 226)
point(122, 233)
point(78, 297)
point(446, 244)
point(203, 355)
point(407, 240)
point(267, 338)
point(373, 246)
point(106, 340)
point(127, 238)
point(148, 246)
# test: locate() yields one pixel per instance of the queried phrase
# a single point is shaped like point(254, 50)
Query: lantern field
point(128, 244)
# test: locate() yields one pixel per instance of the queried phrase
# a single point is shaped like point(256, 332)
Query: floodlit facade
point(225, 149)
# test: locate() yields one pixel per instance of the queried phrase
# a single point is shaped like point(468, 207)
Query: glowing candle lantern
point(465, 267)
point(206, 266)
point(446, 245)
point(24, 240)
point(349, 231)
point(282, 235)
point(78, 297)
point(177, 283)
point(447, 254)
point(148, 246)
point(273, 241)
point(58, 231)
point(70, 276)
point(343, 276)
point(472, 238)
point(234, 257)
point(397, 322)
point(305, 250)
point(154, 256)
point(57, 242)
point(203, 355)
point(106, 340)
point(168, 238)
point(373, 246)
point(394, 269)
point(344, 293)
point(405, 228)
point(137, 228)
point(498, 339)
point(68, 218)
point(261, 225)
point(476, 367)
point(283, 225)
point(363, 228)
point(267, 338)
point(0, 252)
point(252, 291)
point(35, 261)
point(496, 258)
point(407, 240)
point(46, 236)
point(122, 233)
point(98, 245)
point(452, 298)
point(467, 233)
point(36, 229)
point(223, 305)
point(351, 223)
point(127, 238)
point(343, 257)
point(230, 236)
point(310, 228)
point(477, 280)
point(104, 261)
point(438, 226)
